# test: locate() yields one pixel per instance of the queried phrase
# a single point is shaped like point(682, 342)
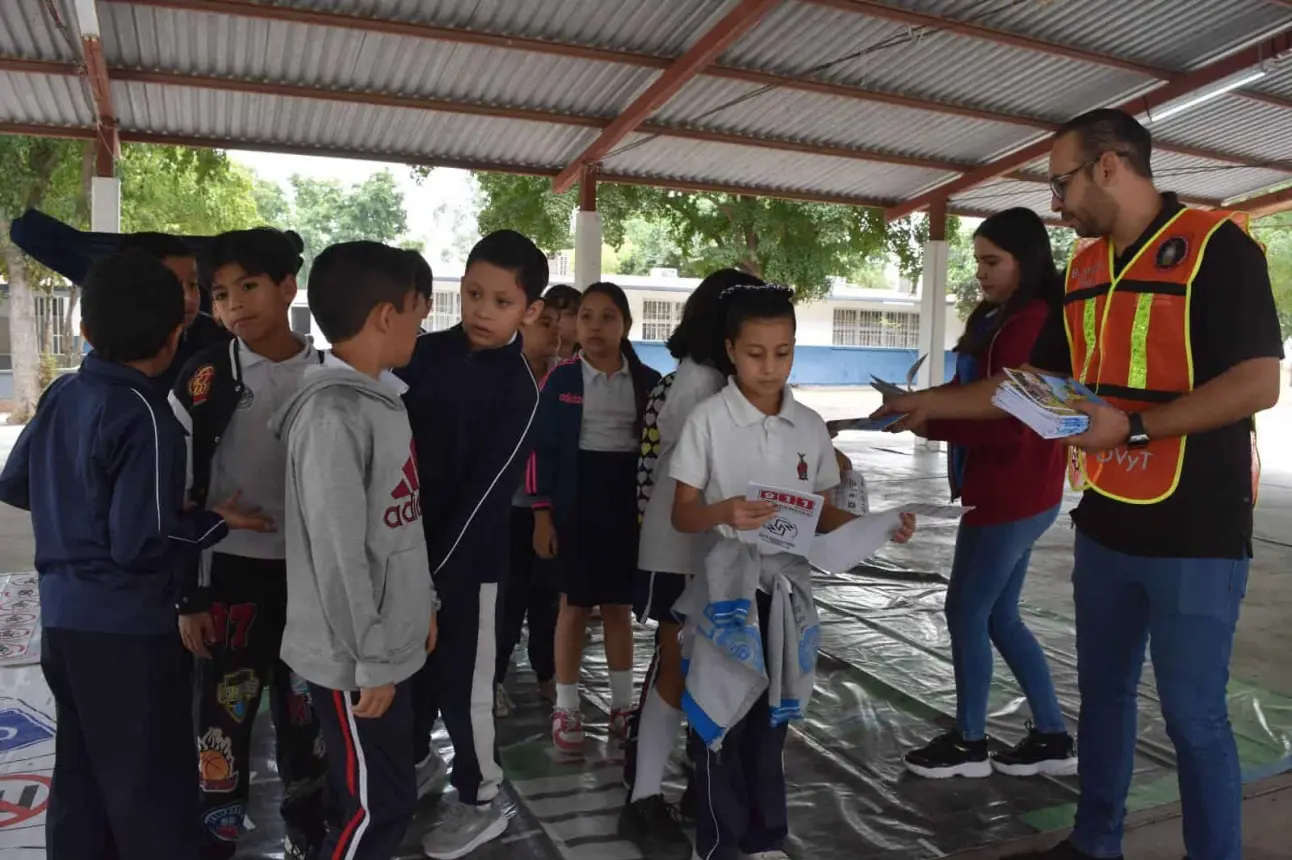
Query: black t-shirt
point(1232, 319)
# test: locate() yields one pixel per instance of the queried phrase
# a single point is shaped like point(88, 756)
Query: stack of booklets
point(1044, 403)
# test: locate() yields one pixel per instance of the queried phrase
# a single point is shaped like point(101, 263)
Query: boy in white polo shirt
point(753, 431)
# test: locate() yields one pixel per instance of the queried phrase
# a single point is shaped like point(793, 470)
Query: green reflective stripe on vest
point(1088, 323)
point(1137, 373)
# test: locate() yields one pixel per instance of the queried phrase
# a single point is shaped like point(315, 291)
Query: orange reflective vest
point(1128, 336)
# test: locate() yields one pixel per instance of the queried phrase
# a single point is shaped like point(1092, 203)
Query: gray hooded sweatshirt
point(359, 592)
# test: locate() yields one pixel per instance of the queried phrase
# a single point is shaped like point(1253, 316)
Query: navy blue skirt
point(598, 546)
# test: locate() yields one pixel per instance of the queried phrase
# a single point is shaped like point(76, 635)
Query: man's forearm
point(1238, 393)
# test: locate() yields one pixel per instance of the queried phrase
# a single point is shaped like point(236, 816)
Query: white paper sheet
point(794, 528)
point(854, 543)
point(936, 512)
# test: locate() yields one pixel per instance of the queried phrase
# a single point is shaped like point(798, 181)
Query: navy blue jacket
point(553, 475)
point(471, 413)
point(101, 468)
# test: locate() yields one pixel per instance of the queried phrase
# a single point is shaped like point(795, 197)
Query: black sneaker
point(1052, 755)
point(1065, 850)
point(950, 755)
point(649, 824)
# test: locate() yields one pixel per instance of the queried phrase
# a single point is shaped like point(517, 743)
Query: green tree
point(38, 173)
point(272, 204)
point(188, 192)
point(324, 212)
point(802, 244)
point(1275, 233)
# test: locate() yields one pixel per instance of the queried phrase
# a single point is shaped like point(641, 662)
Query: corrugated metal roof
point(836, 121)
point(1277, 83)
point(1191, 33)
point(395, 133)
point(251, 48)
point(1002, 194)
point(663, 27)
point(944, 67)
point(769, 169)
point(26, 30)
point(44, 100)
point(1232, 124)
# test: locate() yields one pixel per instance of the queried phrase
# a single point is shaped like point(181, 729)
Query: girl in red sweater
point(1013, 479)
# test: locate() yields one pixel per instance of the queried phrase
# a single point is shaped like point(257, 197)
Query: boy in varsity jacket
point(471, 400)
point(233, 620)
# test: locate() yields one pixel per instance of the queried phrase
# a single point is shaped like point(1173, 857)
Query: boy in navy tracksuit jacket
point(471, 401)
point(101, 468)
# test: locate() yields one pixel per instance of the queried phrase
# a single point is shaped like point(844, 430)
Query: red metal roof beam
point(1266, 204)
point(743, 17)
point(1184, 85)
point(96, 72)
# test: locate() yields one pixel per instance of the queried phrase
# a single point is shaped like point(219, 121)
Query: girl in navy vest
point(584, 478)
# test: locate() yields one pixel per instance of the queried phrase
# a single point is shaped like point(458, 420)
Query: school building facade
point(843, 339)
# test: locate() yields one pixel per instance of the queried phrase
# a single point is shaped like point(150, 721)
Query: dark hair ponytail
point(1020, 233)
point(641, 392)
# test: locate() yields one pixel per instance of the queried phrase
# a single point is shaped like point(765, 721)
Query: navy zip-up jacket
point(101, 468)
point(471, 413)
point(552, 479)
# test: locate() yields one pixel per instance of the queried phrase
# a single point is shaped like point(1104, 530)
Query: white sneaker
point(502, 704)
point(432, 774)
point(464, 828)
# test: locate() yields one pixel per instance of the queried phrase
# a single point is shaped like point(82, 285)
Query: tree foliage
point(1275, 233)
point(324, 212)
point(187, 192)
point(803, 244)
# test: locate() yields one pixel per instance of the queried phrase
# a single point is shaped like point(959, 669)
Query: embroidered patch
point(199, 387)
point(248, 397)
point(574, 399)
point(803, 467)
point(237, 691)
point(298, 703)
point(1172, 253)
point(225, 822)
point(216, 767)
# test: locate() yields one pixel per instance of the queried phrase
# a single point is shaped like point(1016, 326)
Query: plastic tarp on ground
point(884, 685)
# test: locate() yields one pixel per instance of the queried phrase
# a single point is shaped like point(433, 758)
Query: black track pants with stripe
point(457, 684)
point(370, 774)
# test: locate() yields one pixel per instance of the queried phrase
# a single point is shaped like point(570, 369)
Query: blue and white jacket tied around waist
point(722, 645)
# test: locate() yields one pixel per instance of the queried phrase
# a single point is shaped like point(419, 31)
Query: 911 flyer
point(794, 526)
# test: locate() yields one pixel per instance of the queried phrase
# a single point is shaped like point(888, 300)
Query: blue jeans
point(982, 608)
point(1188, 609)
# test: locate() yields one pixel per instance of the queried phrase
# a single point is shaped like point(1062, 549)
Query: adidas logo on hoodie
point(407, 495)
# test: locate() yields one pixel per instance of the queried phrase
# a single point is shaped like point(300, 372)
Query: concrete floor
point(1262, 649)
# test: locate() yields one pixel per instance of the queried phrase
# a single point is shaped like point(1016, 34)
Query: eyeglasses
point(1059, 182)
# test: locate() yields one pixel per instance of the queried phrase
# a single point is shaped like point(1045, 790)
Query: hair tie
point(779, 288)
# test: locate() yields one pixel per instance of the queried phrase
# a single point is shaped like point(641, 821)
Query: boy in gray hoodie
point(360, 607)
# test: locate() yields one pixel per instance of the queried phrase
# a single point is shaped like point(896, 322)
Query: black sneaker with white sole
point(650, 825)
point(950, 755)
point(1038, 753)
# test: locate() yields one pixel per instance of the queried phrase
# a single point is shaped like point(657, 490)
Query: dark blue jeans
point(982, 609)
point(1188, 609)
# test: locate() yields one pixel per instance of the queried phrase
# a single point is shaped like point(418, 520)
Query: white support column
point(105, 204)
point(933, 317)
point(587, 248)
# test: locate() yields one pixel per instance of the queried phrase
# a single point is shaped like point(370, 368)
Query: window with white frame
point(659, 318)
point(50, 311)
point(446, 310)
point(893, 329)
point(558, 265)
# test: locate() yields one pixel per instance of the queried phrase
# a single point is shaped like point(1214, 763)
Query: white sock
point(621, 690)
point(656, 732)
point(567, 696)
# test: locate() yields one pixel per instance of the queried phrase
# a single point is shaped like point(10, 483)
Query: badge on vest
point(1172, 253)
point(247, 398)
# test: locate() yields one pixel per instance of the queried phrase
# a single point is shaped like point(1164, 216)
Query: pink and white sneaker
point(567, 731)
point(619, 722)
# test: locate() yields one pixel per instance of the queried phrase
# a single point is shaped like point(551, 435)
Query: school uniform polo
point(728, 443)
point(249, 458)
point(609, 409)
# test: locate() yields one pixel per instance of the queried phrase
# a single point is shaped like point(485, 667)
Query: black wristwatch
point(1138, 437)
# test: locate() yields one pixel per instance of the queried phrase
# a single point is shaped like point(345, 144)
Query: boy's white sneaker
point(567, 730)
point(464, 828)
point(432, 774)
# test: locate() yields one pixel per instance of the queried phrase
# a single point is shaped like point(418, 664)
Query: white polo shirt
point(249, 457)
point(609, 410)
point(728, 443)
